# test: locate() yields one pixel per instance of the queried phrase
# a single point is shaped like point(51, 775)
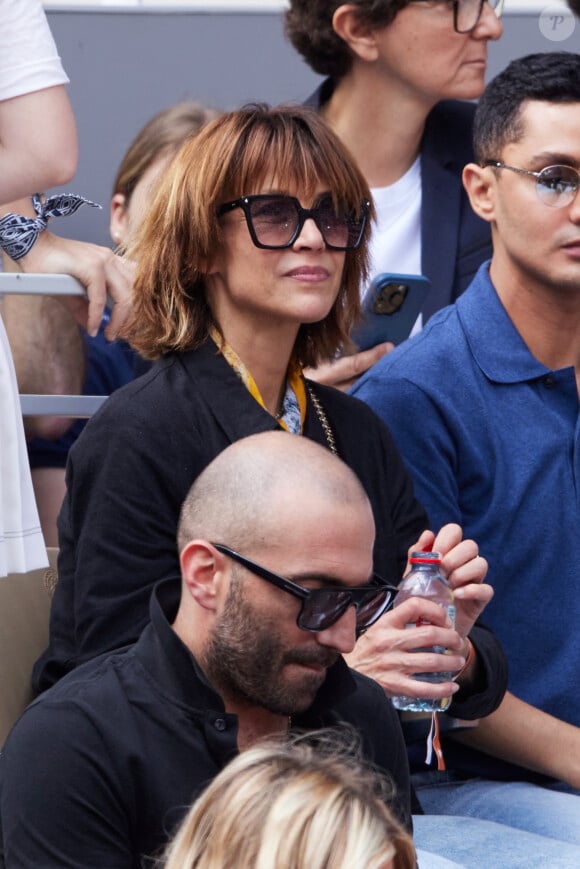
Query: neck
point(546, 317)
point(380, 122)
point(255, 723)
point(266, 356)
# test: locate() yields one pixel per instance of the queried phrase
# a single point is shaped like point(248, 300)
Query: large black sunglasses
point(275, 221)
point(322, 607)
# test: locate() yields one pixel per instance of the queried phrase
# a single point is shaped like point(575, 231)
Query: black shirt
point(100, 769)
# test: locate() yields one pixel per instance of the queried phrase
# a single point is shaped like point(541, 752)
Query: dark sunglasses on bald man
point(275, 220)
point(322, 607)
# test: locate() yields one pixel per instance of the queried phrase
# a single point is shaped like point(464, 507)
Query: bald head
point(238, 497)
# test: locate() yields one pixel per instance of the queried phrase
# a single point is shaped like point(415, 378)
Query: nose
point(489, 26)
point(340, 636)
point(574, 209)
point(310, 236)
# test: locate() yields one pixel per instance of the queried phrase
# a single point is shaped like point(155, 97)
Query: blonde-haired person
point(297, 805)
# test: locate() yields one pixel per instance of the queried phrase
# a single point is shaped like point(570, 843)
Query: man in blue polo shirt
point(483, 405)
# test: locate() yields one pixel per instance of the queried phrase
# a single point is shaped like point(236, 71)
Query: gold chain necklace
point(328, 433)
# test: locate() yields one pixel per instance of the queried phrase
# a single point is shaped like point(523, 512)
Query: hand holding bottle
point(385, 651)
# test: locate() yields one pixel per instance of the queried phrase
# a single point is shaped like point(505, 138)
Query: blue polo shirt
point(491, 439)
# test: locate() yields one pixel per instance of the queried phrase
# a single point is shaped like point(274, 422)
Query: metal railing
point(77, 406)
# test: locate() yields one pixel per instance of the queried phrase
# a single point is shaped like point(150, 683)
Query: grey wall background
point(126, 66)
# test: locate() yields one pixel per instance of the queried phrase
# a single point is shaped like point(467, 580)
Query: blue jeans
point(473, 844)
point(546, 811)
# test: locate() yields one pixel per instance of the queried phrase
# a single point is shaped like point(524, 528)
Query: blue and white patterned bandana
point(18, 233)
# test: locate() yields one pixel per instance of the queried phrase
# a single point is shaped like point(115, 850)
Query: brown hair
point(308, 26)
point(230, 158)
point(161, 135)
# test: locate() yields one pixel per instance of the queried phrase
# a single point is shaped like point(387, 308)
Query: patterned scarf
point(294, 403)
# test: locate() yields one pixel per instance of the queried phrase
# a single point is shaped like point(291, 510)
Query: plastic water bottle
point(426, 580)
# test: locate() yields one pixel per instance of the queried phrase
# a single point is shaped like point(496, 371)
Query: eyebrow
point(554, 158)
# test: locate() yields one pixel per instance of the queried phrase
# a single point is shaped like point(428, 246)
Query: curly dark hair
point(308, 26)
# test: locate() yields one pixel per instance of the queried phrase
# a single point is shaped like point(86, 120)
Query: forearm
point(38, 143)
point(526, 736)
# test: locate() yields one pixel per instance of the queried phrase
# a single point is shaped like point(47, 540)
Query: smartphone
point(390, 309)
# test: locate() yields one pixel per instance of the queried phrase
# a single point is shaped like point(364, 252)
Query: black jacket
point(100, 769)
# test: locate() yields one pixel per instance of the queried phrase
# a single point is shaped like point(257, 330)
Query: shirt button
point(549, 382)
point(220, 724)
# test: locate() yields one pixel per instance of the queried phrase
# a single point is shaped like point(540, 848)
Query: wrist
point(469, 659)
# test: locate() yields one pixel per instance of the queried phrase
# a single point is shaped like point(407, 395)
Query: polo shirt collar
point(493, 340)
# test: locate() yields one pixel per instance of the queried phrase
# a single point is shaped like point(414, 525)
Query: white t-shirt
point(396, 236)
point(28, 62)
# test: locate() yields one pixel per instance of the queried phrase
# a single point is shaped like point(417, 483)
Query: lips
point(311, 274)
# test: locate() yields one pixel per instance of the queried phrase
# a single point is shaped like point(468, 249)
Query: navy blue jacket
point(455, 241)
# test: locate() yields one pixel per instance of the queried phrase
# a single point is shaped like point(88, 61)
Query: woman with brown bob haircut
point(249, 264)
point(240, 153)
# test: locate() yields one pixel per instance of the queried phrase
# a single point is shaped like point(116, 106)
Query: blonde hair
point(181, 233)
point(292, 806)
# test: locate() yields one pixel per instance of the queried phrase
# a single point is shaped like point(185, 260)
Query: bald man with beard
point(276, 540)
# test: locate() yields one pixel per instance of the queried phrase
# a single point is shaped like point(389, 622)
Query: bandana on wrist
point(18, 233)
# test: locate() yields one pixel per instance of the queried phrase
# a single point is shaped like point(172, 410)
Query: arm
point(524, 735)
point(98, 268)
point(38, 144)
point(38, 149)
point(61, 801)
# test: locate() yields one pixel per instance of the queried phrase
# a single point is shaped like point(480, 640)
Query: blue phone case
point(390, 309)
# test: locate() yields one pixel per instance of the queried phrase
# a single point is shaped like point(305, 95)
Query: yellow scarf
point(294, 402)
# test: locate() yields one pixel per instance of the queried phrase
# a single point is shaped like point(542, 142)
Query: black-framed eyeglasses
point(556, 186)
point(322, 607)
point(275, 220)
point(466, 13)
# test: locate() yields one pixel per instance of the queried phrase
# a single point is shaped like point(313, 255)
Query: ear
point(359, 36)
point(118, 220)
point(203, 573)
point(480, 185)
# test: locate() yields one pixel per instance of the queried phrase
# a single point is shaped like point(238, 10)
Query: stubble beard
point(245, 660)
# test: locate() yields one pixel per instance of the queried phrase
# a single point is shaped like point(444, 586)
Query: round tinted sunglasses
point(322, 607)
point(556, 186)
point(275, 221)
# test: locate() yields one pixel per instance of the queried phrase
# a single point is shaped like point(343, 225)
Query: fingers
point(393, 659)
point(470, 602)
point(423, 544)
point(97, 268)
point(342, 373)
point(362, 361)
point(119, 278)
point(447, 539)
point(95, 285)
point(411, 612)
